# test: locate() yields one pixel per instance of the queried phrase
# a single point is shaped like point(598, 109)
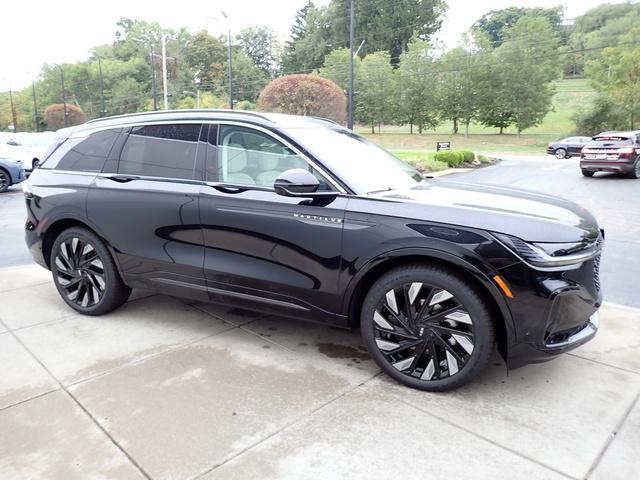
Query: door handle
point(123, 178)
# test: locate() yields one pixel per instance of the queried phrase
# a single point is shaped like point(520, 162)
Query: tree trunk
point(466, 128)
point(379, 128)
point(373, 128)
point(501, 130)
point(410, 128)
point(420, 128)
point(455, 126)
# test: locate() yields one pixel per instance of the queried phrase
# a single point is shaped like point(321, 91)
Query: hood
point(531, 216)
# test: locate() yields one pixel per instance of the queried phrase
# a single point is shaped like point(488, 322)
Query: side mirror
point(296, 183)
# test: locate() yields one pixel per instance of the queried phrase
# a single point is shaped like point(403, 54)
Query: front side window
point(167, 151)
point(82, 154)
point(249, 157)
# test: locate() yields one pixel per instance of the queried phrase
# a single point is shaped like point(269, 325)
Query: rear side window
point(161, 151)
point(82, 154)
point(612, 140)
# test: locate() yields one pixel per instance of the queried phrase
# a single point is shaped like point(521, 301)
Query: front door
point(264, 250)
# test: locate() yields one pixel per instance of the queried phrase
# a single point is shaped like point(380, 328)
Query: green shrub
point(469, 156)
point(484, 160)
point(448, 157)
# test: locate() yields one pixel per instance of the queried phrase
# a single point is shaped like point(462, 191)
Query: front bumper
point(553, 311)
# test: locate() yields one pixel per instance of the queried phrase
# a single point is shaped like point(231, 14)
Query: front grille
point(596, 273)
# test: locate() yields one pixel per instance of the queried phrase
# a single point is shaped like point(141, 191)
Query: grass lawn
point(571, 97)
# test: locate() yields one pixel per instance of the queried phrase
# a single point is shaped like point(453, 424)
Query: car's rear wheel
point(5, 181)
point(560, 153)
point(85, 274)
point(587, 173)
point(427, 328)
point(635, 173)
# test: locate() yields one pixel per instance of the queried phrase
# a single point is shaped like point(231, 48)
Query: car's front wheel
point(85, 274)
point(428, 328)
point(560, 153)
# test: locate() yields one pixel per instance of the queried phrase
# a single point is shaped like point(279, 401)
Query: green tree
point(374, 90)
point(262, 46)
point(309, 42)
point(495, 23)
point(616, 77)
point(336, 67)
point(414, 92)
point(206, 58)
point(460, 85)
point(248, 78)
point(520, 73)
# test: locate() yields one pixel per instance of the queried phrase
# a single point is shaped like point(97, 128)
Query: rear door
point(146, 203)
point(264, 250)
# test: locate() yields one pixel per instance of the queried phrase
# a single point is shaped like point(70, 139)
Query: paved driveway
point(614, 200)
point(168, 389)
point(165, 389)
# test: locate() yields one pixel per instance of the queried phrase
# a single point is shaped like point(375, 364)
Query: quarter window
point(249, 157)
point(161, 151)
point(83, 154)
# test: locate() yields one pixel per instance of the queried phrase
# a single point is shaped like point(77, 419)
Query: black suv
point(300, 217)
point(617, 152)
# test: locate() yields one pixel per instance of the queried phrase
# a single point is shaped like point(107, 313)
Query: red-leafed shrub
point(54, 116)
point(304, 95)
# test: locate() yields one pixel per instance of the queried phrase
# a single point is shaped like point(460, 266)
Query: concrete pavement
point(167, 389)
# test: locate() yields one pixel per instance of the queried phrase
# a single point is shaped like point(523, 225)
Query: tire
point(447, 305)
point(5, 180)
point(34, 164)
point(587, 173)
point(635, 172)
point(560, 153)
point(84, 273)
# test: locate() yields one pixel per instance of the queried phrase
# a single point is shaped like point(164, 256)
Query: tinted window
point(161, 151)
point(249, 157)
point(86, 153)
point(611, 141)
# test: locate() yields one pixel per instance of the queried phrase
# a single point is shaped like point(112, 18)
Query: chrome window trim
point(329, 176)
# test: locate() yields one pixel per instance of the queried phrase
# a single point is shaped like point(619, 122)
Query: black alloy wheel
point(4, 181)
point(84, 273)
point(427, 328)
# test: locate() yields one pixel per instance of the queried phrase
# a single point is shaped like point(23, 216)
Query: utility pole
point(13, 112)
point(103, 111)
point(352, 18)
point(153, 79)
point(230, 73)
point(35, 107)
point(164, 73)
point(64, 98)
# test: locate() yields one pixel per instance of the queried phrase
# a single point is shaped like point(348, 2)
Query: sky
point(34, 32)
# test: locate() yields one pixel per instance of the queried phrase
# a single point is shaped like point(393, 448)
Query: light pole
point(230, 73)
point(14, 117)
point(351, 61)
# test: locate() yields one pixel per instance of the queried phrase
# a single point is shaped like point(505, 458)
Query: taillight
point(627, 152)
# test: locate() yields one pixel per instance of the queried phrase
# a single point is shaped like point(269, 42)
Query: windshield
point(363, 165)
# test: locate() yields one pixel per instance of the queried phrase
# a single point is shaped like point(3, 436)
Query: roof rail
point(186, 111)
point(328, 120)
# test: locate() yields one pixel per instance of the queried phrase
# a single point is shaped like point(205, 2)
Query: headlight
point(549, 255)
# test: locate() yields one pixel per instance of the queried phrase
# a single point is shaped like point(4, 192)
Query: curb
point(448, 171)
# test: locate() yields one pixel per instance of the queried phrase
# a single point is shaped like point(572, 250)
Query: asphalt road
point(615, 202)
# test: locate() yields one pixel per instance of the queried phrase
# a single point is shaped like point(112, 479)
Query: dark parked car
point(617, 152)
point(11, 173)
point(568, 147)
point(303, 218)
